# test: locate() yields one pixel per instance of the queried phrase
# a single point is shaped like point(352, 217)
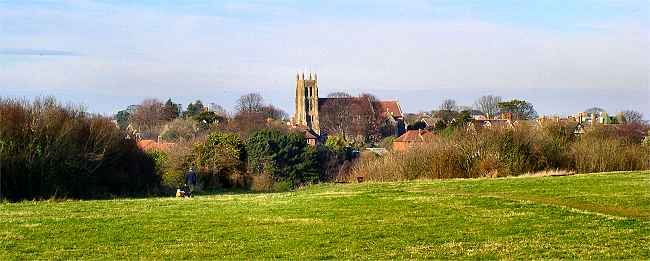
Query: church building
point(349, 116)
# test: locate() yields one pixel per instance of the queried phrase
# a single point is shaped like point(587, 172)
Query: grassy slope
point(585, 216)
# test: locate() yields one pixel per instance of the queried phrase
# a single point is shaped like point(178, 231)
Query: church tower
point(307, 102)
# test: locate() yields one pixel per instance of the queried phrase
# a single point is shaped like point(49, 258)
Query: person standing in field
point(190, 180)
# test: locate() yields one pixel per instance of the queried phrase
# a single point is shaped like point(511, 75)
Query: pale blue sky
point(563, 56)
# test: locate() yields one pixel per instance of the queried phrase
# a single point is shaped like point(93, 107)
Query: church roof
point(358, 105)
point(388, 108)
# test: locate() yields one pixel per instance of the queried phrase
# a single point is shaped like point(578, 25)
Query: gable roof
point(386, 108)
point(357, 105)
point(153, 145)
point(415, 136)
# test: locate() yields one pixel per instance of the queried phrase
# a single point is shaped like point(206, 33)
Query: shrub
point(497, 152)
point(283, 156)
point(179, 160)
point(179, 130)
point(220, 160)
point(51, 150)
point(596, 153)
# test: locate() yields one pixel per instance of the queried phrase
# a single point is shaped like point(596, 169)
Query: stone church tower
point(307, 102)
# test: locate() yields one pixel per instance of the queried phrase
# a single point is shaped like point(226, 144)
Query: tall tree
point(122, 117)
point(448, 111)
point(171, 110)
point(218, 109)
point(149, 116)
point(448, 105)
point(488, 104)
point(595, 110)
point(631, 116)
point(273, 112)
point(194, 109)
point(348, 117)
point(252, 102)
point(520, 109)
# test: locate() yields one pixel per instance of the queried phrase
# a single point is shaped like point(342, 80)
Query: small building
point(412, 138)
point(311, 137)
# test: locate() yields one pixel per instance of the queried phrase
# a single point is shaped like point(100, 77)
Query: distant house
point(490, 123)
point(430, 122)
point(412, 138)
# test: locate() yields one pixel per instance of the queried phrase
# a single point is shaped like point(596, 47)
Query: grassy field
point(583, 216)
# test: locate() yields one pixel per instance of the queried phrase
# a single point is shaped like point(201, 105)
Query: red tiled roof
point(386, 108)
point(415, 136)
point(153, 145)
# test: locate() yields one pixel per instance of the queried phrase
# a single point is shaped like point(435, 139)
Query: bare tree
point(339, 95)
point(631, 116)
point(448, 105)
point(348, 117)
point(273, 112)
point(252, 102)
point(149, 116)
point(218, 109)
point(488, 104)
point(371, 97)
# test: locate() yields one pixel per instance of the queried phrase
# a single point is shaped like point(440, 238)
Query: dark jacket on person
point(190, 178)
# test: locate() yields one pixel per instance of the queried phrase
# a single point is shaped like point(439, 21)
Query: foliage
point(122, 117)
point(283, 156)
point(193, 109)
point(171, 110)
point(597, 151)
point(180, 129)
point(519, 109)
point(220, 160)
point(595, 110)
point(51, 150)
point(207, 118)
point(461, 153)
point(387, 142)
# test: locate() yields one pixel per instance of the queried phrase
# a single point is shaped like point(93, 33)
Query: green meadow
point(594, 216)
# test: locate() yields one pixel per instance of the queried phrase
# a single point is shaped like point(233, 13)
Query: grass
point(599, 216)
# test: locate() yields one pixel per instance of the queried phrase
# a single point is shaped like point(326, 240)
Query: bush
point(507, 152)
point(51, 150)
point(594, 152)
point(220, 161)
point(283, 156)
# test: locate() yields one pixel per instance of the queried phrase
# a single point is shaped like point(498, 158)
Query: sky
point(563, 56)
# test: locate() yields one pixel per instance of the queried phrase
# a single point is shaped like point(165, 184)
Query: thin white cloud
point(144, 52)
